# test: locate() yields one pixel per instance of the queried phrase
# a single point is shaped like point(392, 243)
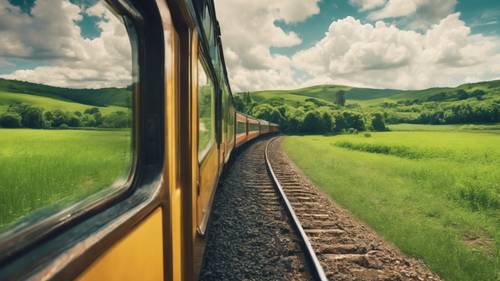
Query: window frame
point(111, 213)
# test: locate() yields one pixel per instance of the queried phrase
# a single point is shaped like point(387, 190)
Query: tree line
point(313, 116)
point(464, 108)
point(20, 115)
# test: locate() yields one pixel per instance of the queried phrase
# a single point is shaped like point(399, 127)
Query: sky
point(77, 43)
point(399, 44)
point(279, 44)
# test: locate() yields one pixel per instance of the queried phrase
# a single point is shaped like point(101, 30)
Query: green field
point(39, 168)
point(433, 193)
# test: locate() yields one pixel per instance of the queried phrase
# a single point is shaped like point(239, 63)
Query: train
point(185, 130)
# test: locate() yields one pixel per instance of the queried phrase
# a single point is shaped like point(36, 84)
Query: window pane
point(65, 105)
point(205, 110)
point(241, 128)
point(253, 127)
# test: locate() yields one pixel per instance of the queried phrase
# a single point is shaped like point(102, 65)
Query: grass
point(491, 128)
point(39, 168)
point(435, 194)
point(7, 98)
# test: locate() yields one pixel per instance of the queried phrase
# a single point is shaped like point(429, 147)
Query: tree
point(10, 120)
point(327, 122)
point(92, 110)
point(378, 122)
point(32, 117)
point(117, 119)
point(340, 98)
point(312, 123)
point(267, 112)
point(59, 118)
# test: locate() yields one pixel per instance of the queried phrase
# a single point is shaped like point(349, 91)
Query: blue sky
point(482, 16)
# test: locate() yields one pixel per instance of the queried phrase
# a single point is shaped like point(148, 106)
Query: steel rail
point(311, 257)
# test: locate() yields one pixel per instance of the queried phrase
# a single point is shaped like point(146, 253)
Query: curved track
point(345, 248)
point(269, 223)
point(296, 194)
point(249, 234)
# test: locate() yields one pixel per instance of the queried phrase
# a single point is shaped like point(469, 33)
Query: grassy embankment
point(39, 168)
point(435, 194)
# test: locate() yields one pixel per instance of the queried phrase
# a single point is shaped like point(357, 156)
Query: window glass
point(253, 126)
point(241, 128)
point(65, 105)
point(206, 112)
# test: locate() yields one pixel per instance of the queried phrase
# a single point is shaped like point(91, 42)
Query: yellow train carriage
point(185, 127)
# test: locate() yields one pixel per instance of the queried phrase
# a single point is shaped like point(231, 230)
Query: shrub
point(378, 121)
point(32, 117)
point(10, 120)
point(117, 119)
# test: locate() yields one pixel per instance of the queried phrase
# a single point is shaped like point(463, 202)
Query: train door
point(177, 136)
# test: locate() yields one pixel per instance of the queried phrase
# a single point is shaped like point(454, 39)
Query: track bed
point(249, 233)
point(346, 249)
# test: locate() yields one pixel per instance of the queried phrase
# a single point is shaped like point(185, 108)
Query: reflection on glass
point(205, 110)
point(241, 128)
point(65, 104)
point(253, 127)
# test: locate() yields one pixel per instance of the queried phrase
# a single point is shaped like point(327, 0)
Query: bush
point(10, 120)
point(32, 117)
point(378, 122)
point(312, 123)
point(117, 119)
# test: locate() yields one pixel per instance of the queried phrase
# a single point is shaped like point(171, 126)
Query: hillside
point(94, 97)
point(371, 97)
point(47, 103)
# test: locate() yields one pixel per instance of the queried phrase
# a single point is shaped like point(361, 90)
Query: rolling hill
point(95, 97)
point(367, 96)
point(51, 98)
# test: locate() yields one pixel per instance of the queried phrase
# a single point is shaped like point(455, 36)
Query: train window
point(241, 128)
point(65, 107)
point(206, 110)
point(253, 127)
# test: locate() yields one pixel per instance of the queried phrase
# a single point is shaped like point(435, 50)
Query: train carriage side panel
point(241, 129)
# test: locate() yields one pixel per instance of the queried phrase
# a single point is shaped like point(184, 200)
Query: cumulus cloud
point(366, 5)
point(385, 56)
point(50, 35)
point(249, 31)
point(420, 13)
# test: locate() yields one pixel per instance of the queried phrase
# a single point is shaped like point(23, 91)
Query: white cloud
point(51, 35)
point(249, 30)
point(385, 56)
point(366, 5)
point(420, 13)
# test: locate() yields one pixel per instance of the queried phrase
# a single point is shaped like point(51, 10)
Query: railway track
point(269, 224)
point(250, 236)
point(337, 246)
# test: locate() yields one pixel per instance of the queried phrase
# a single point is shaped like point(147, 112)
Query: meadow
point(40, 168)
point(434, 193)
